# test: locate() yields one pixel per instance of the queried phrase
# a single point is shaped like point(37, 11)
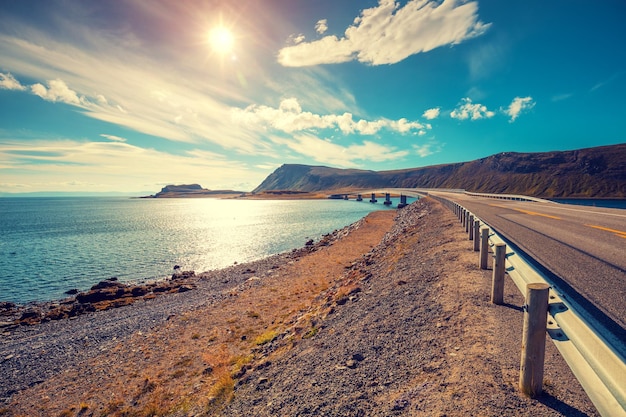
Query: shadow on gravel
point(559, 406)
point(513, 307)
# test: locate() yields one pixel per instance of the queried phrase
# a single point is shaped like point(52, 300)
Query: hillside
point(598, 172)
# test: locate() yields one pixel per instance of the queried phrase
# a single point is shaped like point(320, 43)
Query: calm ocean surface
point(50, 245)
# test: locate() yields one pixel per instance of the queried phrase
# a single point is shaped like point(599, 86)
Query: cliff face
point(592, 172)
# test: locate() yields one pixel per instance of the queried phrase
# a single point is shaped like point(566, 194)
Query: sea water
point(51, 245)
point(618, 203)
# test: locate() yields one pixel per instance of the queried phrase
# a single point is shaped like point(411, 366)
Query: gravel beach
point(389, 316)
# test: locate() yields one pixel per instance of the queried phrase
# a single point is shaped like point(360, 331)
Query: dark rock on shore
point(107, 294)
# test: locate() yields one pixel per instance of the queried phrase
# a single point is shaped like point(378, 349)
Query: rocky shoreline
point(112, 293)
point(79, 327)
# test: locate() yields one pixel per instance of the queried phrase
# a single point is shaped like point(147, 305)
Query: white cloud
point(388, 34)
point(518, 105)
point(57, 90)
point(431, 114)
point(321, 26)
point(468, 110)
point(289, 117)
point(8, 82)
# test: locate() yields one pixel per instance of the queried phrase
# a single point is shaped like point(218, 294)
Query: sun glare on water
point(221, 40)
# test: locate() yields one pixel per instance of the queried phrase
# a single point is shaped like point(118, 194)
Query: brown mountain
point(592, 172)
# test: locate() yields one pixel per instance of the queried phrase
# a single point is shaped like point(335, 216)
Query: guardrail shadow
point(559, 406)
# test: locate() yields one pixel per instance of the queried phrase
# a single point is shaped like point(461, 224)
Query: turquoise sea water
point(50, 245)
point(594, 202)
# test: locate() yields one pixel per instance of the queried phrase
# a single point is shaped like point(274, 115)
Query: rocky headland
point(192, 190)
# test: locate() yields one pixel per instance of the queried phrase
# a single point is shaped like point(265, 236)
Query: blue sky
point(131, 95)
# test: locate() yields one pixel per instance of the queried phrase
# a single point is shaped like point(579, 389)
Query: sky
point(132, 95)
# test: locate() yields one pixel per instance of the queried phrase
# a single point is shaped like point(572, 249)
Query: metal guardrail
point(517, 197)
point(597, 365)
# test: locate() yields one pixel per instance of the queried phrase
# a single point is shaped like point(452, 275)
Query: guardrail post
point(484, 247)
point(471, 227)
point(534, 339)
point(476, 235)
point(497, 281)
point(466, 221)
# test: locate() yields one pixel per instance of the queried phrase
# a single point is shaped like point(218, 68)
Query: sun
point(221, 40)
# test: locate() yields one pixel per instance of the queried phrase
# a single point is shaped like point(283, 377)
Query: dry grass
point(266, 337)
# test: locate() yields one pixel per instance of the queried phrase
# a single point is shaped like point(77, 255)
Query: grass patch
point(221, 392)
point(312, 332)
point(265, 337)
point(239, 362)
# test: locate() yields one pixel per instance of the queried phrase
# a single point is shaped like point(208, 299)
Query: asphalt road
point(583, 248)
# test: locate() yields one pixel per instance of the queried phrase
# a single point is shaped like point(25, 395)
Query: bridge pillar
point(373, 199)
point(387, 199)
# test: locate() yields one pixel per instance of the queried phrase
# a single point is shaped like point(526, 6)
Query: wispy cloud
point(289, 117)
point(487, 58)
point(8, 82)
point(388, 34)
point(561, 97)
point(519, 105)
point(113, 138)
point(468, 110)
point(348, 156)
point(606, 82)
point(44, 164)
point(427, 149)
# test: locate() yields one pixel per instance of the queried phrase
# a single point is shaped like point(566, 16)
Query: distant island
point(192, 190)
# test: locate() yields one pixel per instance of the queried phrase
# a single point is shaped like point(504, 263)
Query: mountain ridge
point(598, 172)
